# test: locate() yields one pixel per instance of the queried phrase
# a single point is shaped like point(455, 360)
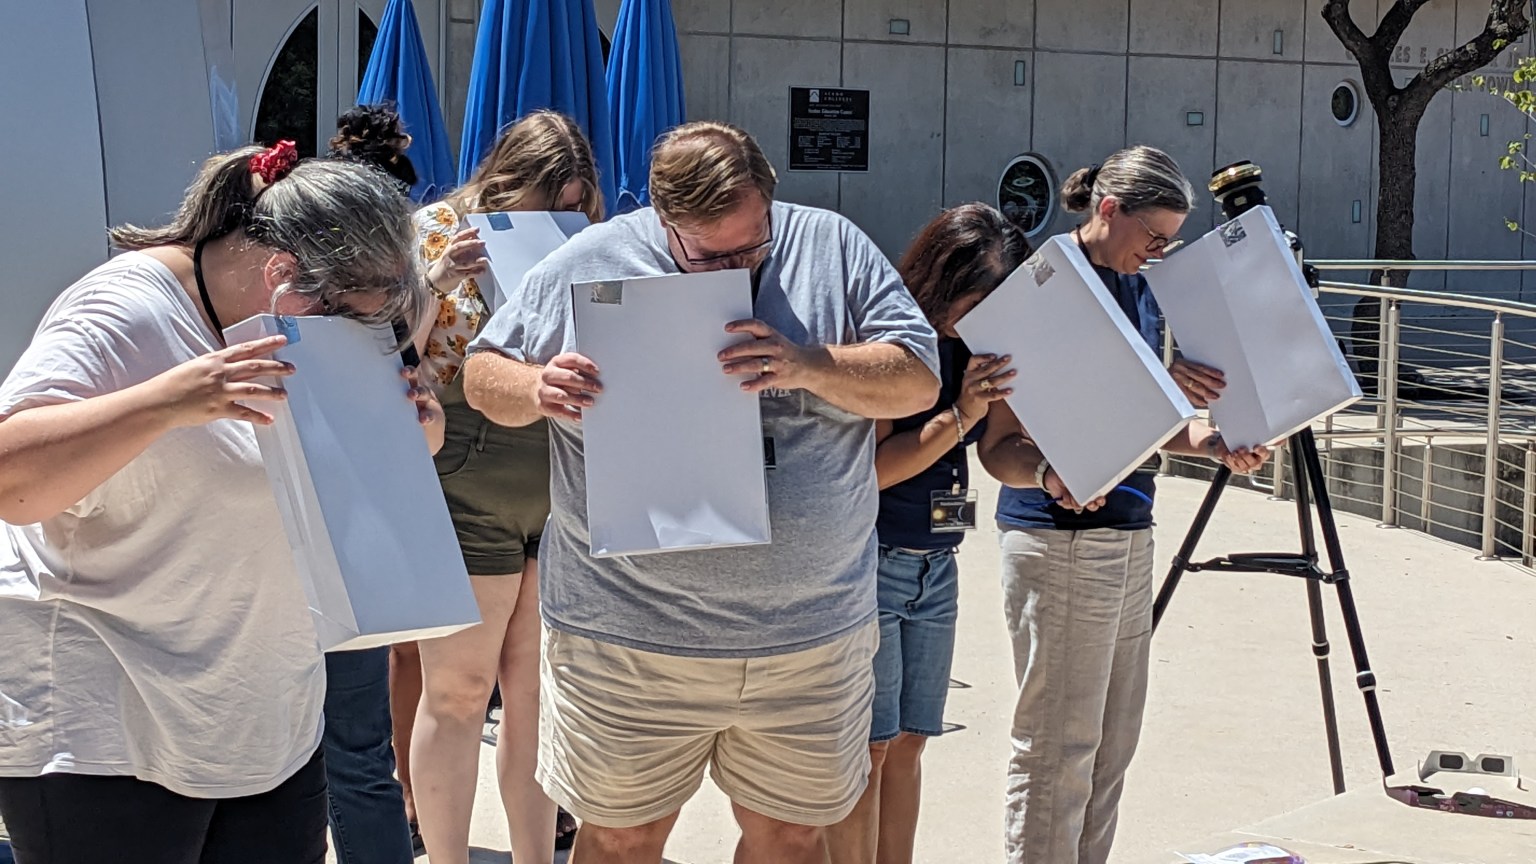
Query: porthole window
point(1345, 103)
point(1026, 193)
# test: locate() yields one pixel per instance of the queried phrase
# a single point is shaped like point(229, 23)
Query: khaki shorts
point(625, 735)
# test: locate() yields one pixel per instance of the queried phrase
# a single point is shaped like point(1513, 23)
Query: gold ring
point(986, 385)
point(767, 364)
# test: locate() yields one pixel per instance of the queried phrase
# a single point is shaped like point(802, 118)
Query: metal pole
point(1491, 457)
point(1165, 468)
point(1428, 492)
point(1383, 325)
point(1277, 458)
point(1528, 504)
point(1389, 450)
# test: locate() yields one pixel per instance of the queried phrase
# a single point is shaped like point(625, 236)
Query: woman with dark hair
point(162, 679)
point(955, 262)
point(1077, 580)
point(374, 134)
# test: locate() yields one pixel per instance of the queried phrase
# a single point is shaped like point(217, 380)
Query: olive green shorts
point(496, 483)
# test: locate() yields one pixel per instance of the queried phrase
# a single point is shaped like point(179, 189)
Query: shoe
point(418, 846)
point(565, 830)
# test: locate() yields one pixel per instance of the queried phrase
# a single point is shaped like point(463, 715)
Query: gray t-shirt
point(824, 282)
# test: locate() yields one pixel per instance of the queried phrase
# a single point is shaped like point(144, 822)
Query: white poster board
point(674, 446)
point(516, 242)
point(1237, 301)
point(357, 488)
point(1091, 392)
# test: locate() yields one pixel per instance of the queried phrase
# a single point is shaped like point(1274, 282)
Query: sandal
point(565, 830)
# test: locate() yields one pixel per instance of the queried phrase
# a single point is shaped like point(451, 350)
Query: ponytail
point(220, 200)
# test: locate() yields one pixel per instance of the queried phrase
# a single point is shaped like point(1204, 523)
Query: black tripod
point(1311, 487)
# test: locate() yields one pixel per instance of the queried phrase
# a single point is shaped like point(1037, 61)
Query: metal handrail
point(1438, 298)
point(1400, 266)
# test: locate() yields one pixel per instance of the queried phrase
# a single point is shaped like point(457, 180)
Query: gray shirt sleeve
point(534, 325)
point(880, 305)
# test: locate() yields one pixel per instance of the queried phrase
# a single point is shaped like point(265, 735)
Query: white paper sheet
point(359, 494)
point(1091, 392)
point(1237, 301)
point(515, 242)
point(674, 447)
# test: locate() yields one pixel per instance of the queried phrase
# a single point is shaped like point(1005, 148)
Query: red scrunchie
point(276, 162)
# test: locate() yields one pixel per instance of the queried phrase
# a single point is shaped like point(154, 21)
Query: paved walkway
point(1233, 731)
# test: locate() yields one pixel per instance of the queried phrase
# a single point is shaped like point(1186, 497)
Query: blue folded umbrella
point(533, 54)
point(398, 73)
point(645, 93)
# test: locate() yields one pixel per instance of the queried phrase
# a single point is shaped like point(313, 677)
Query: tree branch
point(1394, 24)
point(1375, 70)
point(1507, 24)
point(1336, 13)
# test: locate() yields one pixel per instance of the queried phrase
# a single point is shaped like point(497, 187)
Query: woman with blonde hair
point(496, 481)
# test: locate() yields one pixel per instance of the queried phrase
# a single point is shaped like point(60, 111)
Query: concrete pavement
point(1233, 732)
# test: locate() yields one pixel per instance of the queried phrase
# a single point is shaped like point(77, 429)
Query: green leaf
point(1511, 224)
point(1506, 162)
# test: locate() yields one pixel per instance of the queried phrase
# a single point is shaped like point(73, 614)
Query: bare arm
point(1005, 451)
point(900, 457)
point(53, 456)
point(513, 393)
point(1199, 439)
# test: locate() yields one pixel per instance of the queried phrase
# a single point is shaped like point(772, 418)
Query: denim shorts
point(919, 600)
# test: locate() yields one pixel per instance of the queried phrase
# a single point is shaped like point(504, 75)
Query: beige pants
point(625, 735)
point(1079, 608)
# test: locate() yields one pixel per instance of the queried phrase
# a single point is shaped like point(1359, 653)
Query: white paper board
point(357, 488)
point(516, 242)
point(674, 447)
point(1237, 301)
point(1091, 392)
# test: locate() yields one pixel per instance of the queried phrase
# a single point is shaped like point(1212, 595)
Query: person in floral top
point(496, 482)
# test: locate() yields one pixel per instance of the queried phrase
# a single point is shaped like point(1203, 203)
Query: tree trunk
point(1398, 158)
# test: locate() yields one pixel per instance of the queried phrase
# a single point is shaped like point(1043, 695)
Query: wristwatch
point(1211, 443)
point(1044, 466)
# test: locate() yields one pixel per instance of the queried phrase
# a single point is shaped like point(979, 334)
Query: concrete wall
point(946, 114)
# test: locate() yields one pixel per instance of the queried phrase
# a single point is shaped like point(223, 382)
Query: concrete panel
point(702, 16)
point(801, 18)
point(1485, 196)
point(608, 15)
point(1433, 29)
point(1337, 163)
point(1528, 247)
point(1432, 189)
point(1163, 90)
point(987, 122)
point(904, 187)
point(706, 62)
point(1248, 28)
point(152, 146)
point(1002, 23)
point(1081, 25)
point(1186, 27)
point(871, 19)
point(461, 56)
point(762, 71)
point(1259, 119)
point(1079, 115)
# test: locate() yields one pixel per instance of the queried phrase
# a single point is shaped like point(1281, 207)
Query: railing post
point(1165, 468)
point(1383, 335)
point(1387, 385)
point(1277, 459)
point(1491, 458)
point(1428, 496)
point(1528, 505)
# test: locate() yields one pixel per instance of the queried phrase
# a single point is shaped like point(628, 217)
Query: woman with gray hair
point(1077, 580)
point(162, 684)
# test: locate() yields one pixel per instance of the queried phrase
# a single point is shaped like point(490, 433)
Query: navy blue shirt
point(905, 508)
point(1028, 508)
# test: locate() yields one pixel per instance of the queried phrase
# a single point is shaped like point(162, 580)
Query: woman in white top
point(161, 682)
point(496, 483)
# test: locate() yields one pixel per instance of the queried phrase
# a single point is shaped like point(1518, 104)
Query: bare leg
point(769, 841)
point(404, 700)
point(853, 840)
point(530, 813)
point(458, 672)
point(642, 844)
point(900, 794)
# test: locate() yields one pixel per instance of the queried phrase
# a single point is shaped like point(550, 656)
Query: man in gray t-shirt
point(755, 660)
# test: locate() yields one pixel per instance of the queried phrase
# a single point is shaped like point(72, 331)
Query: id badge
point(952, 512)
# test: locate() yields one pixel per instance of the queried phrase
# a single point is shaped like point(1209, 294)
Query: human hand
point(768, 355)
point(566, 385)
point(983, 385)
point(1202, 384)
point(1242, 460)
point(1058, 492)
point(210, 387)
point(464, 258)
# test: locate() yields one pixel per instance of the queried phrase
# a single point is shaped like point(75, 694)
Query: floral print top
point(461, 311)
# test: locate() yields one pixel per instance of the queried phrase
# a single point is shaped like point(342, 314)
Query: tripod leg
point(1321, 649)
point(1191, 540)
point(1306, 447)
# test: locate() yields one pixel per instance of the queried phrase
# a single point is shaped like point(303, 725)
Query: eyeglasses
point(1160, 245)
point(726, 257)
point(1460, 763)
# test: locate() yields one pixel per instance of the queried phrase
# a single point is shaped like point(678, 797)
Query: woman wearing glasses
point(1077, 580)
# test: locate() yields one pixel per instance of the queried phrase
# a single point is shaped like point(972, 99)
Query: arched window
point(290, 94)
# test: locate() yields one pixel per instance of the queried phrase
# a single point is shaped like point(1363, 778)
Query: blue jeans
point(919, 601)
point(367, 809)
